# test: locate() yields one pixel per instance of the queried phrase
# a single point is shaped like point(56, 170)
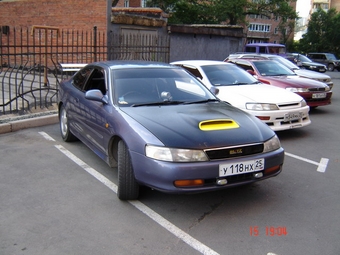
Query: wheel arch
point(113, 151)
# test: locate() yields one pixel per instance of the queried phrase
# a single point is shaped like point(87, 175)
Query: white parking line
point(322, 165)
point(46, 136)
point(194, 243)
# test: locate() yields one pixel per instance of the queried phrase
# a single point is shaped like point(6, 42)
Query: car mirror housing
point(214, 90)
point(96, 95)
point(251, 72)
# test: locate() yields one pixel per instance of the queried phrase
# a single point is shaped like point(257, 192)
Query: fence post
point(95, 43)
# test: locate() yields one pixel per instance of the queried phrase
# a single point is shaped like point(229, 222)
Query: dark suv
point(327, 59)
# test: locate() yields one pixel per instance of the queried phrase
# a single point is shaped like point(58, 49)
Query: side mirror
point(251, 72)
point(214, 90)
point(96, 95)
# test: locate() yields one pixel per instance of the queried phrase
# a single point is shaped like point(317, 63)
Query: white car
point(278, 108)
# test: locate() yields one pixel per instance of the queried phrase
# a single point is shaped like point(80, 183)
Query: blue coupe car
point(162, 128)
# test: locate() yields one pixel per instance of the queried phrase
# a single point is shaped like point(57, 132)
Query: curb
point(28, 123)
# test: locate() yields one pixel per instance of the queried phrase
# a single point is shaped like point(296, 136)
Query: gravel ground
point(28, 115)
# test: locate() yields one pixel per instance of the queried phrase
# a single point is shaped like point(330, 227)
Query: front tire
point(331, 67)
point(64, 126)
point(128, 188)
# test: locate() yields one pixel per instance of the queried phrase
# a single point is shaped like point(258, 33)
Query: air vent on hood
point(220, 124)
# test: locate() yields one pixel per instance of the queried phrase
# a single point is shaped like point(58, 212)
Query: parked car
point(271, 72)
point(327, 59)
point(278, 108)
point(305, 63)
point(322, 77)
point(164, 129)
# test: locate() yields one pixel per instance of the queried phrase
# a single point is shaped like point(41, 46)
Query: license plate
point(319, 95)
point(241, 167)
point(293, 116)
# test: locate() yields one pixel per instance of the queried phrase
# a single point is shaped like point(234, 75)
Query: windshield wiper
point(203, 101)
point(241, 83)
point(158, 103)
point(280, 74)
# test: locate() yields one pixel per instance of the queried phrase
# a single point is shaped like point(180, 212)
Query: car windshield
point(286, 63)
point(272, 68)
point(303, 58)
point(228, 75)
point(157, 86)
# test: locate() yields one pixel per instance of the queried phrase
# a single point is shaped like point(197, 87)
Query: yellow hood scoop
point(219, 124)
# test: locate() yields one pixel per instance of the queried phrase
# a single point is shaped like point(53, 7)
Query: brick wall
point(65, 14)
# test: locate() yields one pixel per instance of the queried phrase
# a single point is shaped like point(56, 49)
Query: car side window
point(194, 71)
point(262, 50)
point(81, 77)
point(244, 66)
point(250, 49)
point(96, 81)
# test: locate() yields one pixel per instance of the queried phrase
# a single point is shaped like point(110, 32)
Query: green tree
point(322, 33)
point(232, 12)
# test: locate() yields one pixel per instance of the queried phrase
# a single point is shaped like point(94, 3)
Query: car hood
point(294, 81)
point(259, 93)
point(312, 64)
point(311, 74)
point(178, 125)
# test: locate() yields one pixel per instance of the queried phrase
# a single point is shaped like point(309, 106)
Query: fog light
point(258, 175)
point(189, 183)
point(221, 181)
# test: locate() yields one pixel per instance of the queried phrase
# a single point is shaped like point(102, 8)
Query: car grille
point(233, 152)
point(294, 105)
point(317, 89)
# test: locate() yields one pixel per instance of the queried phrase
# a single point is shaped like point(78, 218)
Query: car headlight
point(303, 103)
point(174, 155)
point(297, 89)
point(261, 107)
point(272, 144)
point(327, 88)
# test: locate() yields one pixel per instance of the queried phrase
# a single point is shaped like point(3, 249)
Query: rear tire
point(64, 126)
point(128, 188)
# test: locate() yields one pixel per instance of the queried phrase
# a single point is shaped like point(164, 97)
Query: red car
point(271, 72)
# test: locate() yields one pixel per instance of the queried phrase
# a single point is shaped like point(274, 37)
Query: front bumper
point(161, 175)
point(278, 120)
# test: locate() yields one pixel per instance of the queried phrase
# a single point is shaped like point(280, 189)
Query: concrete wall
point(202, 47)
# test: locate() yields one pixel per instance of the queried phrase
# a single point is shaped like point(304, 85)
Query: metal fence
point(30, 70)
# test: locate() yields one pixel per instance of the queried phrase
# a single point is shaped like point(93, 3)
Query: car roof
point(122, 64)
point(253, 56)
point(200, 62)
point(265, 44)
point(253, 59)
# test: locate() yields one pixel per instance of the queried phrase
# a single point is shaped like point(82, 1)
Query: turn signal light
point(263, 117)
point(272, 170)
point(189, 183)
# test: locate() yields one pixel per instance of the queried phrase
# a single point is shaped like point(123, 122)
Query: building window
point(256, 41)
point(126, 3)
point(143, 3)
point(276, 30)
point(259, 27)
